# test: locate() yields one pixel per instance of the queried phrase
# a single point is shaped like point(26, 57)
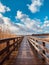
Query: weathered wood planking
point(36, 46)
point(7, 50)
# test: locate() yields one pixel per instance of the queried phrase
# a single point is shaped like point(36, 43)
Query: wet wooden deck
point(26, 55)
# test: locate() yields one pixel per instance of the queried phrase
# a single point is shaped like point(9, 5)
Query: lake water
point(41, 36)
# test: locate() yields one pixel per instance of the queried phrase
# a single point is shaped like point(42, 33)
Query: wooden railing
point(40, 48)
point(11, 45)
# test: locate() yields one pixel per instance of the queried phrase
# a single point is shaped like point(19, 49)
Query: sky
point(24, 16)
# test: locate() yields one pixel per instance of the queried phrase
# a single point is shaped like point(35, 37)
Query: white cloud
point(45, 26)
point(29, 25)
point(35, 5)
point(46, 17)
point(33, 25)
point(25, 26)
point(19, 14)
point(7, 25)
point(3, 8)
point(46, 23)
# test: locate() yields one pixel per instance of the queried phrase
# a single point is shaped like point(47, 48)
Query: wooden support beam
point(14, 43)
point(44, 46)
point(43, 51)
point(8, 49)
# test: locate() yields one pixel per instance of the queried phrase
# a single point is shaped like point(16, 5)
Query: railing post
point(44, 50)
point(8, 48)
point(14, 43)
point(33, 39)
point(36, 40)
point(44, 46)
point(17, 42)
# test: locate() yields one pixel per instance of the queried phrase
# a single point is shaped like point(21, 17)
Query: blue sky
point(27, 16)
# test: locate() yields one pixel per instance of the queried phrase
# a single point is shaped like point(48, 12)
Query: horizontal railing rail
point(10, 47)
point(40, 49)
point(39, 39)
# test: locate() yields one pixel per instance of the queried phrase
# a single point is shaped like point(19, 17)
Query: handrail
point(39, 39)
point(42, 47)
point(8, 39)
point(15, 44)
point(39, 48)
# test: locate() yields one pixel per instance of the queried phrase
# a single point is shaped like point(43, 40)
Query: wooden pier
point(23, 50)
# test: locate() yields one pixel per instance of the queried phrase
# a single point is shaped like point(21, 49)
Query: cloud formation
point(32, 25)
point(7, 25)
point(25, 26)
point(3, 8)
point(35, 5)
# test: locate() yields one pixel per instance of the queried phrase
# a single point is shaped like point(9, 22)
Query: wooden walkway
point(26, 55)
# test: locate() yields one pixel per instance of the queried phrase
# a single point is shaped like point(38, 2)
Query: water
point(41, 36)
